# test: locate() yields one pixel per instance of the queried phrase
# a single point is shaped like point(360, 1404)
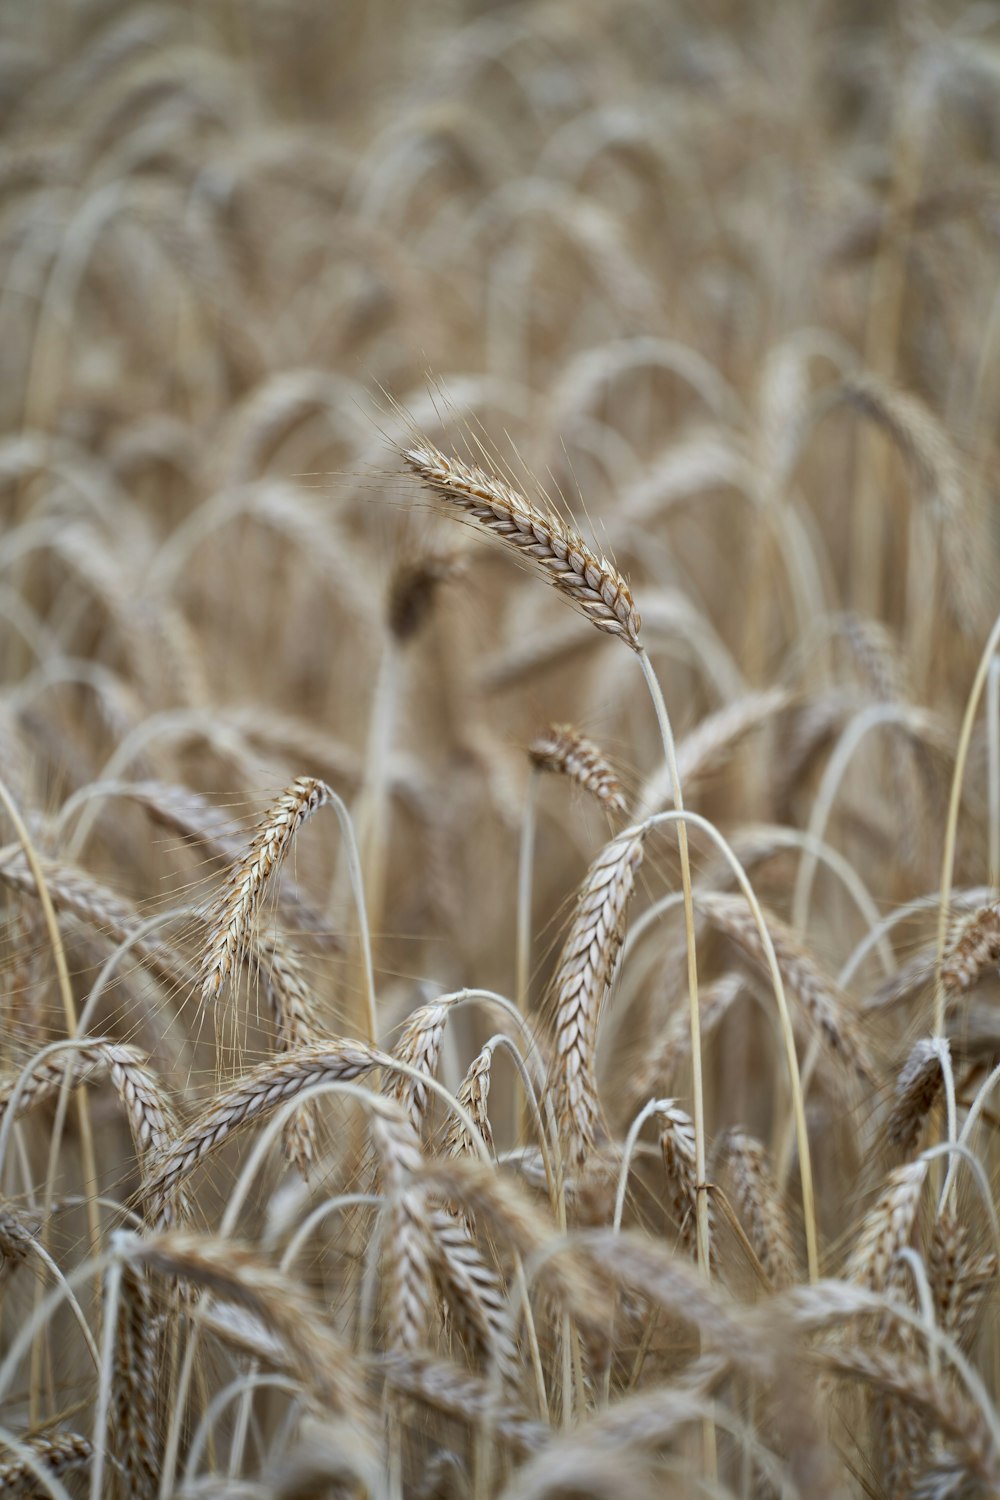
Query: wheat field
point(499, 749)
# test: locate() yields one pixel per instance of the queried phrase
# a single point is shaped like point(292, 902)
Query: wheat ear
point(886, 1228)
point(565, 751)
point(677, 1147)
point(59, 1453)
point(562, 556)
point(758, 1198)
point(585, 971)
point(818, 996)
point(227, 1267)
point(918, 1087)
point(974, 948)
point(234, 916)
point(253, 1097)
point(134, 1383)
point(236, 912)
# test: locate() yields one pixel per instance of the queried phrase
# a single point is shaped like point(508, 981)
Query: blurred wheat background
point(451, 1050)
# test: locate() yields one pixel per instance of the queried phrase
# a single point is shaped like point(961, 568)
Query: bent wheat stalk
point(596, 587)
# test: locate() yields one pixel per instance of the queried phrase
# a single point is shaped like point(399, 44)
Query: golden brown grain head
point(540, 537)
point(566, 752)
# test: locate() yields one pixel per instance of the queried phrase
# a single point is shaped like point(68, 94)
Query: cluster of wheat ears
point(461, 1037)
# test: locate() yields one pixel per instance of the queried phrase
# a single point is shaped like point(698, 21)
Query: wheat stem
point(697, 1083)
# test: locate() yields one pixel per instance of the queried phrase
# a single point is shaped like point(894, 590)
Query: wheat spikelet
point(475, 1293)
point(456, 1393)
point(761, 1209)
point(815, 993)
point(473, 1095)
point(585, 970)
point(918, 1087)
point(408, 1244)
point(912, 1382)
point(60, 1453)
point(201, 822)
point(886, 1228)
point(678, 1153)
point(560, 553)
point(494, 1199)
point(419, 1047)
point(227, 1267)
point(232, 921)
point(77, 894)
point(134, 1386)
point(958, 1277)
point(251, 1098)
point(974, 948)
point(564, 750)
point(293, 1009)
point(150, 1114)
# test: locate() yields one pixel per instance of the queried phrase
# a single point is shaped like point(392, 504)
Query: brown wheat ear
point(234, 916)
point(566, 751)
point(584, 973)
point(542, 537)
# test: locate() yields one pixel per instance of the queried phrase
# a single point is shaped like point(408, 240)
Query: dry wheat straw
point(567, 752)
point(586, 966)
point(564, 559)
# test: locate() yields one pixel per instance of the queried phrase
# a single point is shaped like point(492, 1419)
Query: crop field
point(499, 749)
